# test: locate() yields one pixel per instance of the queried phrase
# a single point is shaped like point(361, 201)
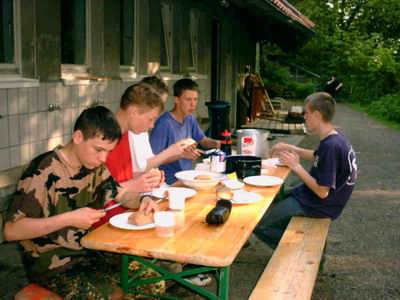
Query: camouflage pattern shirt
point(50, 187)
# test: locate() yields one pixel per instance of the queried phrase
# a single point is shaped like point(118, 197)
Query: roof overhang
point(277, 21)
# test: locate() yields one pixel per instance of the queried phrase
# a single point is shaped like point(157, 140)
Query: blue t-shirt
point(335, 167)
point(167, 131)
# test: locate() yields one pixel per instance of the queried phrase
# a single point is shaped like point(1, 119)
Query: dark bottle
point(226, 142)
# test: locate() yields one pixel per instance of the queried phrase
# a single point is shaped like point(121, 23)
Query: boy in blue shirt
point(179, 124)
point(327, 186)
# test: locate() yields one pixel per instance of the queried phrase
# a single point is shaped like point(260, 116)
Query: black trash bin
point(218, 113)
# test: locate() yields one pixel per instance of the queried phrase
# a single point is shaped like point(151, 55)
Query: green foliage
point(302, 89)
point(386, 107)
point(278, 78)
point(359, 40)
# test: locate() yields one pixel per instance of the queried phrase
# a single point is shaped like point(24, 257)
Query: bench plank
point(292, 270)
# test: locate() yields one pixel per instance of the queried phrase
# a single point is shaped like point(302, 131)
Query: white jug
point(262, 145)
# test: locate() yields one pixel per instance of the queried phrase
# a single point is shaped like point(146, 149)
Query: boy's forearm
point(210, 143)
point(321, 191)
point(129, 198)
point(163, 158)
point(30, 228)
point(304, 153)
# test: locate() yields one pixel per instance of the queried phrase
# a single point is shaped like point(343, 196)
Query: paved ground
point(363, 244)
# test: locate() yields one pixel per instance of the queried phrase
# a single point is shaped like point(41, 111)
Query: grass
point(390, 124)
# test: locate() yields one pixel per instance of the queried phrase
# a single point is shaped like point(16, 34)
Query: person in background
point(179, 124)
point(143, 158)
point(242, 102)
point(132, 161)
point(139, 107)
point(333, 86)
point(58, 199)
point(327, 186)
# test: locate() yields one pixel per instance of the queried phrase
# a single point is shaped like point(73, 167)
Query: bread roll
point(139, 218)
point(189, 142)
point(203, 177)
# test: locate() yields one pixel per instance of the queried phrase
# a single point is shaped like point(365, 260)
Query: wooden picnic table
point(196, 242)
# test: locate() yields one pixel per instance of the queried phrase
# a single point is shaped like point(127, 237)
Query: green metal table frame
point(131, 284)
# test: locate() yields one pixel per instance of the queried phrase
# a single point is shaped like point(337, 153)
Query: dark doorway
point(215, 60)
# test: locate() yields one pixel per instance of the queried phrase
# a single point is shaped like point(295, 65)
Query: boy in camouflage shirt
point(56, 202)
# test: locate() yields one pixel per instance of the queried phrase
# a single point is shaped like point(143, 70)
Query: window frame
point(69, 71)
point(167, 17)
point(194, 39)
point(129, 71)
point(14, 69)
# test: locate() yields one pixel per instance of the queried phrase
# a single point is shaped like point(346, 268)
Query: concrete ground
point(363, 244)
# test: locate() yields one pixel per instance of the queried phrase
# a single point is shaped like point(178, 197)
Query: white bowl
point(187, 177)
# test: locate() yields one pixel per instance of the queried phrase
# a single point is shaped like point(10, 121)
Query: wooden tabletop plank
point(196, 242)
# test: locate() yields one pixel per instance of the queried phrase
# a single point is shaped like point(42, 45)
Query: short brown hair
point(141, 95)
point(157, 83)
point(98, 121)
point(185, 84)
point(324, 103)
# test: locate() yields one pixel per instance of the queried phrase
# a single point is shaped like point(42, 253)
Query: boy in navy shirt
point(327, 186)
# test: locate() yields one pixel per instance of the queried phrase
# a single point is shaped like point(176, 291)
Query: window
point(9, 42)
point(166, 36)
point(74, 35)
point(193, 41)
point(127, 32)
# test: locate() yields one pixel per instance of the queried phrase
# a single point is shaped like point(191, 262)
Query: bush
point(386, 107)
point(302, 89)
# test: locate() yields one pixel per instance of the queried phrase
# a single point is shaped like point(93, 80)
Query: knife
point(122, 202)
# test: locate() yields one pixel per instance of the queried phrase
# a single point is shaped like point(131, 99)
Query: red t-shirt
point(119, 163)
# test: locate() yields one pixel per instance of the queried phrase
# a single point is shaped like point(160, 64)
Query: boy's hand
point(84, 218)
point(176, 149)
point(144, 182)
point(279, 147)
point(147, 205)
point(290, 159)
point(191, 153)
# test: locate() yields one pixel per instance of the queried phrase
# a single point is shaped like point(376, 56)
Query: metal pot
point(261, 137)
point(243, 165)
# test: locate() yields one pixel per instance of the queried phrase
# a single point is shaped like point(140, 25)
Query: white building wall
point(28, 128)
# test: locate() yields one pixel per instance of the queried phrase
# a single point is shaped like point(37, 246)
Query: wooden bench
point(292, 269)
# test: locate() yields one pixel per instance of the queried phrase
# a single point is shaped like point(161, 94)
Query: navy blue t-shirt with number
point(335, 167)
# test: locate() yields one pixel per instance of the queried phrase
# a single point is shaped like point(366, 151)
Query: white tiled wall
point(28, 129)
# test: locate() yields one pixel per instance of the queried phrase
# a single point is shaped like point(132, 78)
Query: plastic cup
point(179, 218)
point(165, 223)
point(202, 167)
point(176, 199)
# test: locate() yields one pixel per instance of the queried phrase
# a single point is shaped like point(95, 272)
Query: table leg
point(130, 285)
point(124, 273)
point(223, 284)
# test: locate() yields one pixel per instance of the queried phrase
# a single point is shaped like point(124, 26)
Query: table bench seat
point(292, 269)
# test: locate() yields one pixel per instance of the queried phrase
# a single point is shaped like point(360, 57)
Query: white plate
point(162, 191)
point(263, 180)
point(121, 221)
point(244, 197)
point(233, 184)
